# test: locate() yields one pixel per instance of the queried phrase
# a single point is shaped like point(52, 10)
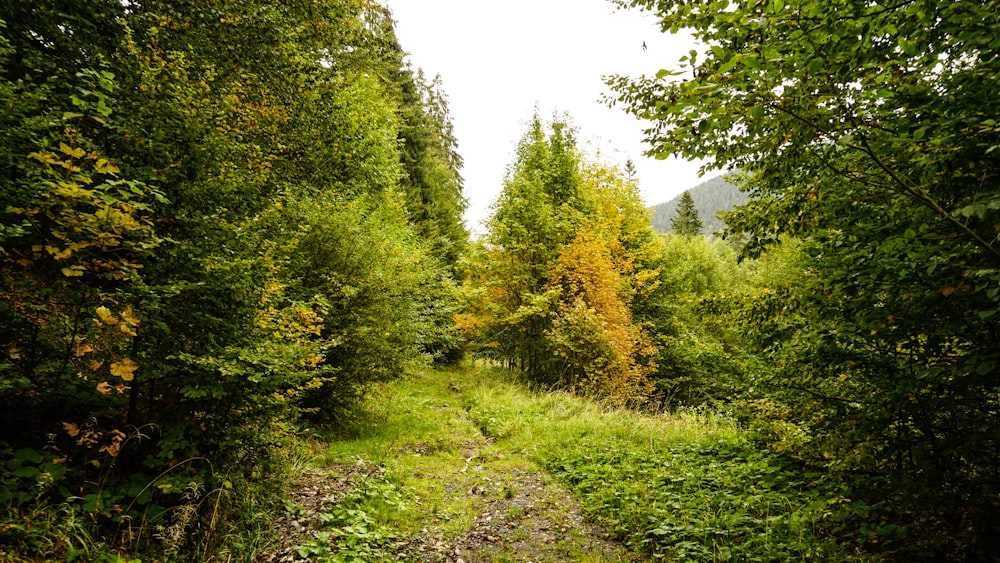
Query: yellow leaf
point(73, 271)
point(57, 253)
point(75, 153)
point(45, 157)
point(129, 316)
point(124, 369)
point(83, 347)
point(105, 167)
point(70, 189)
point(105, 315)
point(947, 290)
point(71, 429)
point(104, 388)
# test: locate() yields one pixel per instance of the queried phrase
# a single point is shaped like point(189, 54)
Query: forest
point(233, 268)
point(709, 198)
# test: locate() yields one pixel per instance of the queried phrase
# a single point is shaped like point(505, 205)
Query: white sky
point(500, 60)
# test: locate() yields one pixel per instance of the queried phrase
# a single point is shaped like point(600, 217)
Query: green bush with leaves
point(372, 277)
point(869, 130)
point(203, 235)
point(698, 360)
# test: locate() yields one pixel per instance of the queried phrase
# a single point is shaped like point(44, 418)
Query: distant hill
point(709, 196)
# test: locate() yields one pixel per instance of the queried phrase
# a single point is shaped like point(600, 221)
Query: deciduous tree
point(868, 129)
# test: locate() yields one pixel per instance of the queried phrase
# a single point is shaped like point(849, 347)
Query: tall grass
point(684, 486)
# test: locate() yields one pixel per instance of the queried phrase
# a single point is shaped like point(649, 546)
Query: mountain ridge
point(711, 196)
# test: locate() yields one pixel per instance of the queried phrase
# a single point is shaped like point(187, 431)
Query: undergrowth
point(686, 486)
point(354, 528)
point(192, 511)
point(690, 486)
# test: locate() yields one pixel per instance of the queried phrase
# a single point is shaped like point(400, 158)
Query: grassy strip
point(686, 487)
point(444, 475)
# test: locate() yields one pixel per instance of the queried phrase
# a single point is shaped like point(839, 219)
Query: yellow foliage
point(104, 167)
point(73, 152)
point(82, 347)
point(104, 314)
point(312, 360)
point(113, 447)
point(593, 332)
point(72, 190)
point(57, 253)
point(124, 368)
point(72, 429)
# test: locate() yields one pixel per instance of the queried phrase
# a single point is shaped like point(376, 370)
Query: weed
point(514, 513)
point(355, 530)
point(685, 486)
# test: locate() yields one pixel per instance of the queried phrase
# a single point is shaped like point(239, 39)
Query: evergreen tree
point(686, 222)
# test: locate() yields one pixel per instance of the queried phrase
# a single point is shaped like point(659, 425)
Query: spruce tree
point(686, 222)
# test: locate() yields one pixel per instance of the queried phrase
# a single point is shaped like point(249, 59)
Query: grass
point(686, 486)
point(421, 432)
point(449, 446)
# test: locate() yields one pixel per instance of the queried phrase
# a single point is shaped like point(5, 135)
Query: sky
point(499, 61)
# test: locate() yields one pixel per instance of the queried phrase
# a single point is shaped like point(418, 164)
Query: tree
point(602, 351)
point(569, 247)
point(867, 129)
point(538, 212)
point(686, 222)
point(203, 234)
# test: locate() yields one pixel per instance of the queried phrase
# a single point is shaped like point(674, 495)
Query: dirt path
point(452, 495)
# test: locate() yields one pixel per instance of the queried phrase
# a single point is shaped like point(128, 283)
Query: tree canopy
point(569, 249)
point(209, 230)
point(869, 130)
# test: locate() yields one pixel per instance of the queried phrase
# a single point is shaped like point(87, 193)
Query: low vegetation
point(232, 253)
point(442, 453)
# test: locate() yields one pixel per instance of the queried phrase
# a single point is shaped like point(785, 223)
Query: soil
point(521, 515)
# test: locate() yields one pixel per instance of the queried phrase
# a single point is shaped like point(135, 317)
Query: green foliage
point(375, 279)
point(432, 163)
point(356, 534)
point(722, 503)
point(689, 485)
point(537, 214)
point(686, 222)
point(698, 360)
point(203, 236)
point(869, 131)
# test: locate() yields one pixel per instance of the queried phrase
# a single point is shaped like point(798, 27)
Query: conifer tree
point(686, 222)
